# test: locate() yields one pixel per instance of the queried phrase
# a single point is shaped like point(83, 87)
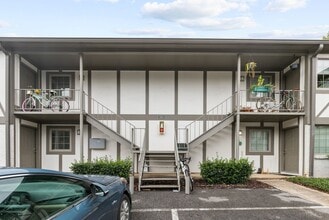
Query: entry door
point(28, 147)
point(291, 151)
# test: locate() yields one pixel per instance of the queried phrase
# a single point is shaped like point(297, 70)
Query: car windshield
point(38, 197)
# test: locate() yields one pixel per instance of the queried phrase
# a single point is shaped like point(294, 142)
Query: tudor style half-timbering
point(130, 97)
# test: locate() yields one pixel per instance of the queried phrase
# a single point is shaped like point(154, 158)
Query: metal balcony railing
point(43, 99)
point(288, 101)
point(209, 120)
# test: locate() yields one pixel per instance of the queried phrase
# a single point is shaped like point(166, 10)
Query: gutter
point(312, 105)
point(320, 48)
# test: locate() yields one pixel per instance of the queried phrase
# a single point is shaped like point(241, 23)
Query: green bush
point(103, 166)
point(219, 171)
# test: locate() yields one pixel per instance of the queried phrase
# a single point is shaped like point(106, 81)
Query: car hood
point(102, 179)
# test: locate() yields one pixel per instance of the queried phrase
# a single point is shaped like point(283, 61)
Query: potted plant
point(260, 87)
point(250, 68)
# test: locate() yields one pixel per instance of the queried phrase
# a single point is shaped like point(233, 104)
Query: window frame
point(71, 76)
point(316, 138)
point(317, 75)
point(61, 151)
point(270, 141)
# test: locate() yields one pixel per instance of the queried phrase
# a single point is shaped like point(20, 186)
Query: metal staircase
point(104, 119)
point(158, 171)
point(209, 124)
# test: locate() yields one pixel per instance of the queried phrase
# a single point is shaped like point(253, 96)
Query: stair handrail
point(226, 107)
point(177, 159)
point(141, 161)
point(98, 110)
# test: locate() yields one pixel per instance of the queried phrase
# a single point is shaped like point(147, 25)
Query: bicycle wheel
point(28, 104)
point(59, 104)
point(291, 105)
point(188, 174)
point(263, 104)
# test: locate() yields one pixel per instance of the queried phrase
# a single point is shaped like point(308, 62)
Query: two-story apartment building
point(130, 96)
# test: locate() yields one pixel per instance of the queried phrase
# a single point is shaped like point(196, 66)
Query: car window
point(38, 197)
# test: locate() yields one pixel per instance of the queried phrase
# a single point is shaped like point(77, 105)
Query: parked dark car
point(45, 194)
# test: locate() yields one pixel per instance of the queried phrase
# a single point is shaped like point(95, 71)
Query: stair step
point(158, 186)
point(161, 161)
point(160, 166)
point(160, 179)
point(160, 156)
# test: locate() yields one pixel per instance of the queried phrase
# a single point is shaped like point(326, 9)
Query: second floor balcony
point(65, 104)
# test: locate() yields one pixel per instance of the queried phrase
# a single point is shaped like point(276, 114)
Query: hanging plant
point(260, 86)
point(250, 68)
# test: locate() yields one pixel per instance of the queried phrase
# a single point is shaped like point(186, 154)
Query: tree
point(326, 37)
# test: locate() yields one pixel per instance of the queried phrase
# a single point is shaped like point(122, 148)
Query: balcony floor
point(50, 117)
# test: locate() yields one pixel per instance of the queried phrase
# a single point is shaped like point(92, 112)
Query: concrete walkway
point(297, 190)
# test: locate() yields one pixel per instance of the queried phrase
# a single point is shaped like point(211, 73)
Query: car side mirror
point(98, 190)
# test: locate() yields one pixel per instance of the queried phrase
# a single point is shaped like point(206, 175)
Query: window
point(61, 140)
point(323, 73)
point(39, 197)
point(62, 83)
point(321, 140)
point(259, 141)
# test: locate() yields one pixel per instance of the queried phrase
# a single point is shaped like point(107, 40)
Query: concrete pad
point(298, 190)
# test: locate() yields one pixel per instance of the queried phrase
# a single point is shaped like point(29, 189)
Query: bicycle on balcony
point(48, 100)
point(289, 102)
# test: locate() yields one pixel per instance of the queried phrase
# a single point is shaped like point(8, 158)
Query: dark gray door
point(291, 151)
point(28, 147)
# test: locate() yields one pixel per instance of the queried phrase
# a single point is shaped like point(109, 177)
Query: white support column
point(81, 107)
point(237, 124)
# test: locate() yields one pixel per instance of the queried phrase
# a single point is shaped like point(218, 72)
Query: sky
point(251, 19)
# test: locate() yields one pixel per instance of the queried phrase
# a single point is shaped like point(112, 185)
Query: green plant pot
point(261, 89)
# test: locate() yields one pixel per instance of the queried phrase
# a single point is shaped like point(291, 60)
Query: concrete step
point(160, 179)
point(160, 166)
point(159, 186)
point(160, 161)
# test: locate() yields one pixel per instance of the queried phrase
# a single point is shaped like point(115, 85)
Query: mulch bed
point(250, 184)
point(201, 184)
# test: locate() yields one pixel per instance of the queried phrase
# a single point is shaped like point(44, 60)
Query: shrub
point(103, 166)
point(219, 171)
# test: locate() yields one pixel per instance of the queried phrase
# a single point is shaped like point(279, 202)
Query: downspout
point(81, 106)
point(313, 77)
point(7, 103)
point(237, 123)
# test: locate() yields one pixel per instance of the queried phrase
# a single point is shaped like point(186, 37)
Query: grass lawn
point(321, 184)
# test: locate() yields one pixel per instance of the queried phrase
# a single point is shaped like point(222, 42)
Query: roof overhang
point(159, 53)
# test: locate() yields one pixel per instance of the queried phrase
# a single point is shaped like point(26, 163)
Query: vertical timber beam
point(237, 123)
point(81, 105)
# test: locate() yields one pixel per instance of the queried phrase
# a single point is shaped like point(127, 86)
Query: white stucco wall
point(321, 101)
point(104, 88)
point(111, 146)
point(190, 92)
point(219, 87)
point(162, 92)
point(132, 92)
point(161, 142)
point(220, 145)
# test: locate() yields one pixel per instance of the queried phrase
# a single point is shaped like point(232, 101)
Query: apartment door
point(28, 147)
point(291, 151)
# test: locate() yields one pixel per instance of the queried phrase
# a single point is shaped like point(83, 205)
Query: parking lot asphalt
point(209, 203)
